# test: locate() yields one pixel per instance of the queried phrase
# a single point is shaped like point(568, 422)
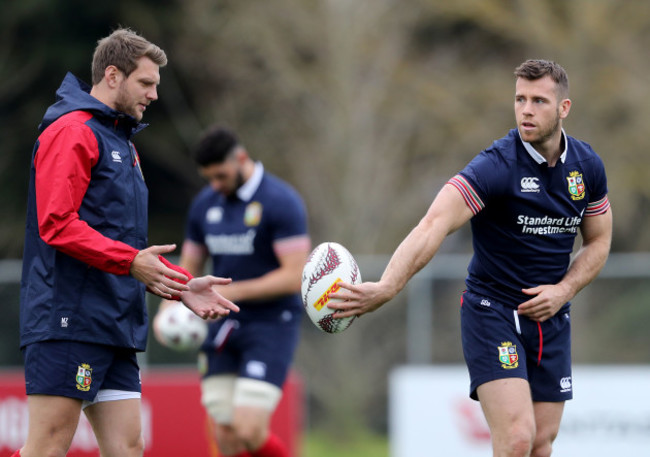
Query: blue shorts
point(255, 349)
point(77, 369)
point(497, 343)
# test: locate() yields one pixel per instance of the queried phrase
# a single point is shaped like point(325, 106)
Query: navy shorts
point(255, 349)
point(77, 369)
point(497, 343)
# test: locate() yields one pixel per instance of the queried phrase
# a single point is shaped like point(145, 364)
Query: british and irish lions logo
point(84, 377)
point(576, 185)
point(508, 355)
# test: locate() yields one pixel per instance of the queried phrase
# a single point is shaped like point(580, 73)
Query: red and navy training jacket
point(86, 221)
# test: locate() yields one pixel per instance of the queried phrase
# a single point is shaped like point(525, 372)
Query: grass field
point(365, 445)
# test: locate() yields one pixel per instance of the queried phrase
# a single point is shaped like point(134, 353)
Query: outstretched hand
point(204, 300)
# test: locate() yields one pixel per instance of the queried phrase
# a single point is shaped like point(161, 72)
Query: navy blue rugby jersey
point(239, 232)
point(527, 214)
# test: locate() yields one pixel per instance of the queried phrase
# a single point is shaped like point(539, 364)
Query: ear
point(113, 76)
point(241, 154)
point(565, 107)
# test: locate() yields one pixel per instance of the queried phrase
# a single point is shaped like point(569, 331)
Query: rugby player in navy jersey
point(251, 226)
point(527, 197)
point(86, 263)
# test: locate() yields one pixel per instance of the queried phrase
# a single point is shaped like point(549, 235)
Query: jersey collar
point(248, 189)
point(537, 157)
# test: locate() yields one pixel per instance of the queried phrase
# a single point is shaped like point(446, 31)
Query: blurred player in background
point(86, 263)
point(527, 196)
point(253, 227)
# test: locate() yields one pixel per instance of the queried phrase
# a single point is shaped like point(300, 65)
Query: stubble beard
point(548, 133)
point(125, 105)
point(239, 181)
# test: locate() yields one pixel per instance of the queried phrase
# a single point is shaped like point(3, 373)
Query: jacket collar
point(74, 95)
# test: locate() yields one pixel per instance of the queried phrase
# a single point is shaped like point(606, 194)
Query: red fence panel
point(173, 420)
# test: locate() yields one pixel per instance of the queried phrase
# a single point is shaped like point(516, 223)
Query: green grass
point(365, 445)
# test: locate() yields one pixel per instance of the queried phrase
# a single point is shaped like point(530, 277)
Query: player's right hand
point(359, 299)
point(159, 279)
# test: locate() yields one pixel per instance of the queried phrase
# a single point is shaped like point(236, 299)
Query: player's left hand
point(204, 300)
point(546, 302)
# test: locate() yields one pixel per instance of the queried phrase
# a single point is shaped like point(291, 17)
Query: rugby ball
point(180, 329)
point(327, 265)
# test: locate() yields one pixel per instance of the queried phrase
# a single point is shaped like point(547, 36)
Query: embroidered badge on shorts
point(508, 355)
point(84, 377)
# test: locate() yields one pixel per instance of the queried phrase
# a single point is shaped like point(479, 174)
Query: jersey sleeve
point(480, 180)
point(598, 201)
point(290, 222)
point(63, 164)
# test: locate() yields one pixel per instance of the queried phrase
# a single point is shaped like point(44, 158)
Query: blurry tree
point(366, 106)
point(300, 81)
point(602, 45)
point(40, 41)
point(25, 48)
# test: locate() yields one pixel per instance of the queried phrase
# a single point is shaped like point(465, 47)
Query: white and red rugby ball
point(180, 329)
point(328, 264)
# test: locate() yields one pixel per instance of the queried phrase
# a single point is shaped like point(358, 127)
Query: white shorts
point(110, 395)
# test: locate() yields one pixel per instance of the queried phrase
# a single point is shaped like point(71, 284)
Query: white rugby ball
point(181, 329)
point(328, 264)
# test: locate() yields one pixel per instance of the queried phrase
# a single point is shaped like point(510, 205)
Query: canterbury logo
point(529, 184)
point(565, 384)
point(116, 156)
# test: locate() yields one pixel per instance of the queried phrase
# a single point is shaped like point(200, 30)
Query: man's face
point(538, 109)
point(225, 177)
point(137, 91)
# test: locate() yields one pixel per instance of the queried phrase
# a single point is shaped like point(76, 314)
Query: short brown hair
point(535, 69)
point(123, 48)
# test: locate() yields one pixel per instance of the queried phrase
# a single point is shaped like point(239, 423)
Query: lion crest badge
point(508, 355)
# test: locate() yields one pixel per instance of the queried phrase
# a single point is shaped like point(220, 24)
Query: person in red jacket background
point(87, 263)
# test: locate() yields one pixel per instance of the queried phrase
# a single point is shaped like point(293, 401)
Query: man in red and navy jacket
point(86, 263)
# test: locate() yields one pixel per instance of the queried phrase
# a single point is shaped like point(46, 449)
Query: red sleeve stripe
point(597, 208)
point(467, 191)
point(292, 244)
